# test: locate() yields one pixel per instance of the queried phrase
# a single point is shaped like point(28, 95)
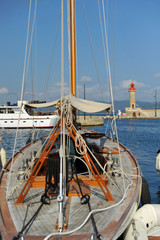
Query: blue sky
point(137, 49)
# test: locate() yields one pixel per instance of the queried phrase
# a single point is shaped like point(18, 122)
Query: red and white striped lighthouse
point(132, 96)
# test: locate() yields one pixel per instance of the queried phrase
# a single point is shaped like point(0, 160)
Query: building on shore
point(136, 112)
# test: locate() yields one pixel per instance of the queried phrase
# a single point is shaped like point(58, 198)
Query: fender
point(143, 221)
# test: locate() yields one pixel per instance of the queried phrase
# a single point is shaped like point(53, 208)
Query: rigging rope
point(104, 47)
point(35, 60)
point(93, 52)
point(80, 144)
point(30, 50)
point(22, 90)
point(114, 64)
point(30, 47)
point(31, 68)
point(69, 39)
point(110, 83)
point(51, 57)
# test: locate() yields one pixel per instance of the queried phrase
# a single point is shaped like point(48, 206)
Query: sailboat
point(73, 184)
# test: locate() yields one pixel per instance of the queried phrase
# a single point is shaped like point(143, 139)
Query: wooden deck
point(111, 220)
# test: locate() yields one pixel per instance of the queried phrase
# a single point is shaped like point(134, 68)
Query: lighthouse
point(132, 96)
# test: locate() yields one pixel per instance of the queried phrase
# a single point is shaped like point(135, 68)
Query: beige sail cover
point(88, 106)
point(42, 105)
point(80, 104)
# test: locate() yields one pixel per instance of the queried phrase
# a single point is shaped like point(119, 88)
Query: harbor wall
point(141, 113)
point(90, 120)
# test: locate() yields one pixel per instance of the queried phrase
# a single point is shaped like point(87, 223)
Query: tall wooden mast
point(73, 47)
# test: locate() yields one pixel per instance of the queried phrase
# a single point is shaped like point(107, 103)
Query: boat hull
point(30, 122)
point(114, 221)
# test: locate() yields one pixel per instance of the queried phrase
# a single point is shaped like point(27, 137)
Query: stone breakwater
point(90, 120)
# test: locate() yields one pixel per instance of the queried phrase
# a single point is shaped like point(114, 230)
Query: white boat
point(74, 184)
point(22, 116)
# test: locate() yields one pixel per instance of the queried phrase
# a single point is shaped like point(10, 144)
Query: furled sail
point(88, 106)
point(80, 104)
point(41, 105)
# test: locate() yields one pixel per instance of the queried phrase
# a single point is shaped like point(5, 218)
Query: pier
point(90, 120)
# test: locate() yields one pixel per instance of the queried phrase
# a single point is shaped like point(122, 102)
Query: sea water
point(144, 142)
point(141, 136)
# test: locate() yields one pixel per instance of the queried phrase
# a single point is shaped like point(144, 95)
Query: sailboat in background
point(73, 184)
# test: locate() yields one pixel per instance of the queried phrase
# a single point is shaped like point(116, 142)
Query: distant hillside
point(144, 105)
